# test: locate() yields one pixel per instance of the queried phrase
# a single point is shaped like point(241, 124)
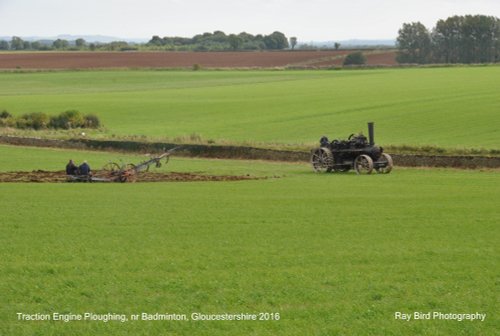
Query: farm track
point(251, 59)
point(41, 176)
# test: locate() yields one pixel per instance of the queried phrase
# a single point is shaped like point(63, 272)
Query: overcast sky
point(317, 20)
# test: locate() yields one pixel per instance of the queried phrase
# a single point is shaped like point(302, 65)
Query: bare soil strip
point(60, 176)
point(250, 59)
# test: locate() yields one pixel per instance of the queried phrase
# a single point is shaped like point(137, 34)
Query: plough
point(114, 172)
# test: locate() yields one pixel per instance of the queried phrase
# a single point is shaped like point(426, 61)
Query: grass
point(450, 108)
point(333, 254)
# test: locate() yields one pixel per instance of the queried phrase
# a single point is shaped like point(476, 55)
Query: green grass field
point(444, 107)
point(332, 254)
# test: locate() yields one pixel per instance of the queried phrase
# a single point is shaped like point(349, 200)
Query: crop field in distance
point(445, 107)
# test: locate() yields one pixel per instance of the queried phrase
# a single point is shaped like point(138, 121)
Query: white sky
point(317, 20)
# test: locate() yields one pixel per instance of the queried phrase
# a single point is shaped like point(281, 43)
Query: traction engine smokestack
point(371, 133)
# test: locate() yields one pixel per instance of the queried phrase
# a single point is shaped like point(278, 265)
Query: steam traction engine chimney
point(370, 133)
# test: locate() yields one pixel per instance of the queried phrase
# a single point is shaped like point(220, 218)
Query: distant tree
point(276, 40)
point(480, 38)
point(414, 43)
point(156, 40)
point(306, 46)
point(447, 40)
point(336, 46)
point(181, 40)
point(80, 43)
point(92, 46)
point(293, 42)
point(116, 45)
point(200, 47)
point(235, 41)
point(60, 44)
point(36, 45)
point(4, 45)
point(257, 42)
point(355, 58)
point(26, 45)
point(17, 43)
point(246, 36)
point(458, 39)
point(200, 38)
point(248, 41)
point(219, 36)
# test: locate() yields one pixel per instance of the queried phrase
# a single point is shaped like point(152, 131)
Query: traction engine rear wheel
point(322, 160)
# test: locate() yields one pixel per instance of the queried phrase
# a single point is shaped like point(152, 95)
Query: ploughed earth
point(60, 176)
point(179, 59)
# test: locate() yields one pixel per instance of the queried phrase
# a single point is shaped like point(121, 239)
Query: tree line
point(220, 41)
point(216, 41)
point(17, 43)
point(458, 39)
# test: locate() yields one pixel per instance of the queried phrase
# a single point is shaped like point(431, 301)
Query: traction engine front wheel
point(386, 169)
point(363, 164)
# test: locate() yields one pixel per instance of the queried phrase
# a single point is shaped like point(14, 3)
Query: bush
point(4, 114)
point(58, 122)
point(67, 120)
point(355, 58)
point(21, 123)
point(91, 121)
point(196, 67)
point(35, 120)
point(8, 122)
point(39, 120)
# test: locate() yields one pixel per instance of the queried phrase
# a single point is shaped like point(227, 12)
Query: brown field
point(41, 176)
point(381, 58)
point(94, 60)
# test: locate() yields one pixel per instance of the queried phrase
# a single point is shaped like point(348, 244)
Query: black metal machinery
point(357, 152)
